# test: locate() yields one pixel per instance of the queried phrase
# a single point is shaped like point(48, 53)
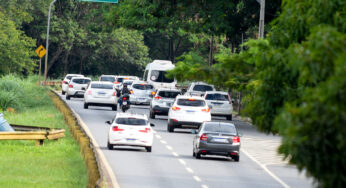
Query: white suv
point(77, 87)
point(162, 101)
point(66, 80)
point(199, 88)
point(100, 94)
point(188, 112)
point(220, 103)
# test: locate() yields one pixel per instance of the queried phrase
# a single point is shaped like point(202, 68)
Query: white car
point(100, 94)
point(219, 103)
point(141, 92)
point(121, 79)
point(77, 86)
point(66, 80)
point(108, 78)
point(199, 88)
point(162, 101)
point(130, 130)
point(188, 112)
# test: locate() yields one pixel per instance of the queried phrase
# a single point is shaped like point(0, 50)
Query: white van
point(155, 74)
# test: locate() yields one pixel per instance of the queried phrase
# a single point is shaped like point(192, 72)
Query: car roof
point(219, 123)
point(140, 82)
point(131, 115)
point(74, 75)
point(215, 92)
point(87, 78)
point(101, 82)
point(168, 89)
point(189, 97)
point(107, 76)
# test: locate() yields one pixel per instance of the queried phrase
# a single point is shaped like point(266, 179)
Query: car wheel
point(115, 107)
point(236, 158)
point(198, 155)
point(152, 115)
point(109, 146)
point(193, 153)
point(68, 97)
point(86, 105)
point(63, 92)
point(148, 149)
point(170, 128)
point(229, 117)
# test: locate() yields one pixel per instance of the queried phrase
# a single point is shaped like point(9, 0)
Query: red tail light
point(206, 110)
point(70, 86)
point(117, 82)
point(204, 137)
point(146, 130)
point(124, 98)
point(158, 97)
point(116, 128)
point(114, 93)
point(175, 108)
point(89, 92)
point(236, 139)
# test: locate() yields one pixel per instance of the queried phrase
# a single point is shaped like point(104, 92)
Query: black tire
point(148, 148)
point(86, 105)
point(123, 108)
point(170, 128)
point(229, 117)
point(236, 158)
point(193, 153)
point(198, 155)
point(62, 92)
point(152, 115)
point(109, 146)
point(115, 107)
point(68, 97)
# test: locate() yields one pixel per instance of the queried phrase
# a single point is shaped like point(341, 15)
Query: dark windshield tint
point(102, 86)
point(120, 80)
point(160, 76)
point(131, 121)
point(81, 81)
point(202, 88)
point(189, 102)
point(217, 96)
point(142, 86)
point(107, 78)
point(218, 127)
point(168, 94)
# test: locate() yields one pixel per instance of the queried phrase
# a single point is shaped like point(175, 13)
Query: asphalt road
point(170, 164)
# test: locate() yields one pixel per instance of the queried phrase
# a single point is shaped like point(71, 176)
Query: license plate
point(190, 111)
point(131, 139)
point(125, 103)
point(142, 99)
point(220, 140)
point(101, 93)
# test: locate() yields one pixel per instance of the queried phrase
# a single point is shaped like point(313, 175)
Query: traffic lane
point(133, 166)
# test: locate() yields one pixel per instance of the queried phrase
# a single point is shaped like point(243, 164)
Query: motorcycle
point(125, 103)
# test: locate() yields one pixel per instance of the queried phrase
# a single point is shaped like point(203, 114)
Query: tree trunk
point(54, 58)
point(211, 51)
point(65, 62)
point(81, 65)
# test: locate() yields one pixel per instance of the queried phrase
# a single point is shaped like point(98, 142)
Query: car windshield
point(160, 76)
point(128, 83)
point(131, 121)
point(168, 94)
point(202, 88)
point(220, 127)
point(142, 86)
point(217, 96)
point(101, 86)
point(190, 102)
point(107, 78)
point(81, 81)
point(120, 80)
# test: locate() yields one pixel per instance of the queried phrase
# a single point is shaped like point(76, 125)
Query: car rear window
point(131, 121)
point(107, 78)
point(70, 77)
point(221, 128)
point(217, 96)
point(128, 83)
point(142, 86)
point(120, 80)
point(101, 86)
point(190, 102)
point(202, 88)
point(168, 94)
point(81, 81)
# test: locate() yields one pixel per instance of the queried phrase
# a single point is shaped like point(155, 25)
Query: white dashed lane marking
point(197, 178)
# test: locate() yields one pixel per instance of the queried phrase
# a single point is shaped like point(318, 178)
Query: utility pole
point(47, 43)
point(261, 20)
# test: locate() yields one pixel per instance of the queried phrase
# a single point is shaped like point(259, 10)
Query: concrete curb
point(108, 178)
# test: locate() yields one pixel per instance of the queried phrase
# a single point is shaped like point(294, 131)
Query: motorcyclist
point(125, 92)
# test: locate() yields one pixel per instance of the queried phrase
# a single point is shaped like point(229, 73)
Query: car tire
point(229, 117)
point(68, 97)
point(86, 105)
point(236, 158)
point(198, 155)
point(115, 107)
point(62, 92)
point(170, 128)
point(109, 146)
point(152, 115)
point(148, 148)
point(193, 153)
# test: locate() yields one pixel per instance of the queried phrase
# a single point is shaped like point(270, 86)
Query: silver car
point(141, 92)
point(199, 88)
point(220, 103)
point(162, 101)
point(217, 138)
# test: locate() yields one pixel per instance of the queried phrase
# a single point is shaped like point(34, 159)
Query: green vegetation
point(56, 163)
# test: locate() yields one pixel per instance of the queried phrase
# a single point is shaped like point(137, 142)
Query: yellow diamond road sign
point(40, 51)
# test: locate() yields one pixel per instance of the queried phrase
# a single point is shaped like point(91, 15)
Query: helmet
point(125, 85)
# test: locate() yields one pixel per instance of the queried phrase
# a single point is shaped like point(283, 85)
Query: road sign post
point(40, 51)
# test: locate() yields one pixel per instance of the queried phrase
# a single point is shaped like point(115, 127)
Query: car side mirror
point(152, 125)
point(240, 134)
point(183, 91)
point(108, 122)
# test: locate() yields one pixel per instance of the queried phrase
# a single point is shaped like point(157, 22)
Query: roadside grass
point(56, 163)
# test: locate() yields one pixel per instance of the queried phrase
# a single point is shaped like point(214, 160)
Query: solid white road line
point(266, 169)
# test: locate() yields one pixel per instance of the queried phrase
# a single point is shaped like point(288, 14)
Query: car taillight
point(116, 128)
point(158, 97)
point(153, 93)
point(191, 99)
point(175, 108)
point(117, 82)
point(64, 82)
point(70, 86)
point(131, 91)
point(89, 92)
point(204, 137)
point(206, 110)
point(124, 98)
point(146, 130)
point(114, 93)
point(236, 139)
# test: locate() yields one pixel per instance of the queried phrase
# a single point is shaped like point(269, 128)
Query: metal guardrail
point(39, 134)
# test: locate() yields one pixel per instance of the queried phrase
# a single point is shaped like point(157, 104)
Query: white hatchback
point(188, 112)
point(219, 103)
point(77, 86)
point(130, 130)
point(100, 94)
point(66, 80)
